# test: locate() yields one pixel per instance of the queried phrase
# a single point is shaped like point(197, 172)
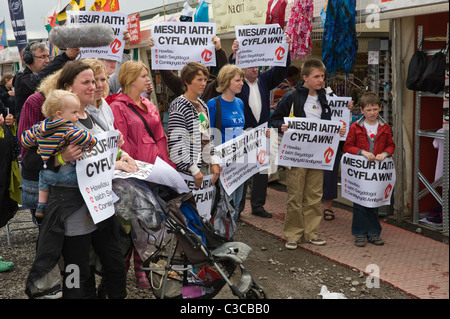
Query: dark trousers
point(76, 251)
point(365, 221)
point(258, 192)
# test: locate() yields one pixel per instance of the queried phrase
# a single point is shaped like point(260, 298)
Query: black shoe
point(262, 213)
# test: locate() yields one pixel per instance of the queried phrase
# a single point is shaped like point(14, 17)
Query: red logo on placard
point(115, 46)
point(207, 55)
point(329, 155)
point(262, 157)
point(388, 191)
point(279, 53)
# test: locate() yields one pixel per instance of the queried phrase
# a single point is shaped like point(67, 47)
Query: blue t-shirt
point(233, 119)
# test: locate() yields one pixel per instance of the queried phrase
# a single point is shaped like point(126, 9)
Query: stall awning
point(9, 55)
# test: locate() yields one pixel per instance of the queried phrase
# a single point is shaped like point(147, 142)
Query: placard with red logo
point(309, 143)
point(261, 45)
point(117, 21)
point(366, 183)
point(243, 157)
point(178, 43)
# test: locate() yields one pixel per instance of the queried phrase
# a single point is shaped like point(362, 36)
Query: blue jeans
point(48, 177)
point(29, 194)
point(365, 221)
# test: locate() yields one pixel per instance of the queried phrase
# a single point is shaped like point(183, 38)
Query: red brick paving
point(410, 262)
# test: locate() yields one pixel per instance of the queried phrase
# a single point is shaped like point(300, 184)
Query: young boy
point(51, 136)
point(304, 185)
point(370, 137)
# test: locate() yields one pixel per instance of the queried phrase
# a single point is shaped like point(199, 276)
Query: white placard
point(118, 22)
point(340, 111)
point(243, 157)
point(366, 183)
point(95, 172)
point(309, 143)
point(261, 45)
point(159, 173)
point(178, 43)
point(204, 196)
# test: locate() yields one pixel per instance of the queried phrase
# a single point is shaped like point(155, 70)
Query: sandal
point(328, 216)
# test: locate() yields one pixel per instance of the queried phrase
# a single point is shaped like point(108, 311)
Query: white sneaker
point(317, 241)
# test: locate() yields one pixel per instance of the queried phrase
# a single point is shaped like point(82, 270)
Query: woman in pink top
point(142, 142)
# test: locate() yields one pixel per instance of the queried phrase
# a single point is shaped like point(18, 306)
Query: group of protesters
point(63, 103)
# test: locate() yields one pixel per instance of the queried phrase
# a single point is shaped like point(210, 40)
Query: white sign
point(95, 172)
point(261, 45)
point(178, 43)
point(243, 157)
point(204, 196)
point(118, 22)
point(159, 173)
point(309, 143)
point(340, 111)
point(366, 183)
point(387, 5)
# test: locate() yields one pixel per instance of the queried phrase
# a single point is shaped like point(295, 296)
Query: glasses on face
point(43, 57)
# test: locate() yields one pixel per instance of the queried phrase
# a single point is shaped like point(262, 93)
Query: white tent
point(9, 55)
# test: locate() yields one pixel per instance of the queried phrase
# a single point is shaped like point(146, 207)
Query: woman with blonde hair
point(231, 109)
point(139, 121)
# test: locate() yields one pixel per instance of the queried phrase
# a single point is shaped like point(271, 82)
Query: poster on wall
point(230, 13)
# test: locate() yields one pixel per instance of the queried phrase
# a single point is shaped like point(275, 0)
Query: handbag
point(173, 284)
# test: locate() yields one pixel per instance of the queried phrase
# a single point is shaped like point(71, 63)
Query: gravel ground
point(283, 274)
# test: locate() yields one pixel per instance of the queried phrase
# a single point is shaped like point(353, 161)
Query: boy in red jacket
point(370, 137)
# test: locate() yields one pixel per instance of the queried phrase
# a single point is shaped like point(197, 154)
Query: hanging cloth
point(299, 29)
point(202, 12)
point(276, 12)
point(339, 44)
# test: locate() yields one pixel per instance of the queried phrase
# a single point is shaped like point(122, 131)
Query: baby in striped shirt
point(51, 136)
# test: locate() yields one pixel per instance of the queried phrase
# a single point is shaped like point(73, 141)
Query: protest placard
point(243, 157)
point(158, 173)
point(118, 22)
point(95, 172)
point(261, 45)
point(340, 111)
point(309, 143)
point(178, 43)
point(366, 183)
point(204, 196)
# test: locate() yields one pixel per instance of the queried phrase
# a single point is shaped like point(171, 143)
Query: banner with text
point(261, 45)
point(204, 196)
point(95, 172)
point(243, 157)
point(230, 13)
point(340, 111)
point(178, 43)
point(309, 143)
point(158, 173)
point(366, 183)
point(118, 22)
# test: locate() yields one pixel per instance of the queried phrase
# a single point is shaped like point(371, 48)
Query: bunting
point(105, 5)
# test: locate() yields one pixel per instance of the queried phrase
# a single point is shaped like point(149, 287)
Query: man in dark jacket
point(37, 66)
point(256, 97)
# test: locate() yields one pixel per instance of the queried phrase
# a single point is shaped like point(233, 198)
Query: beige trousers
point(304, 206)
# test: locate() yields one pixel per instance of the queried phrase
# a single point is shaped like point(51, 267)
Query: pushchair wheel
point(255, 293)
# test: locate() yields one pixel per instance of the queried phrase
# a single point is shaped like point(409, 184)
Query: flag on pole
point(3, 40)
point(105, 5)
point(74, 5)
point(50, 20)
